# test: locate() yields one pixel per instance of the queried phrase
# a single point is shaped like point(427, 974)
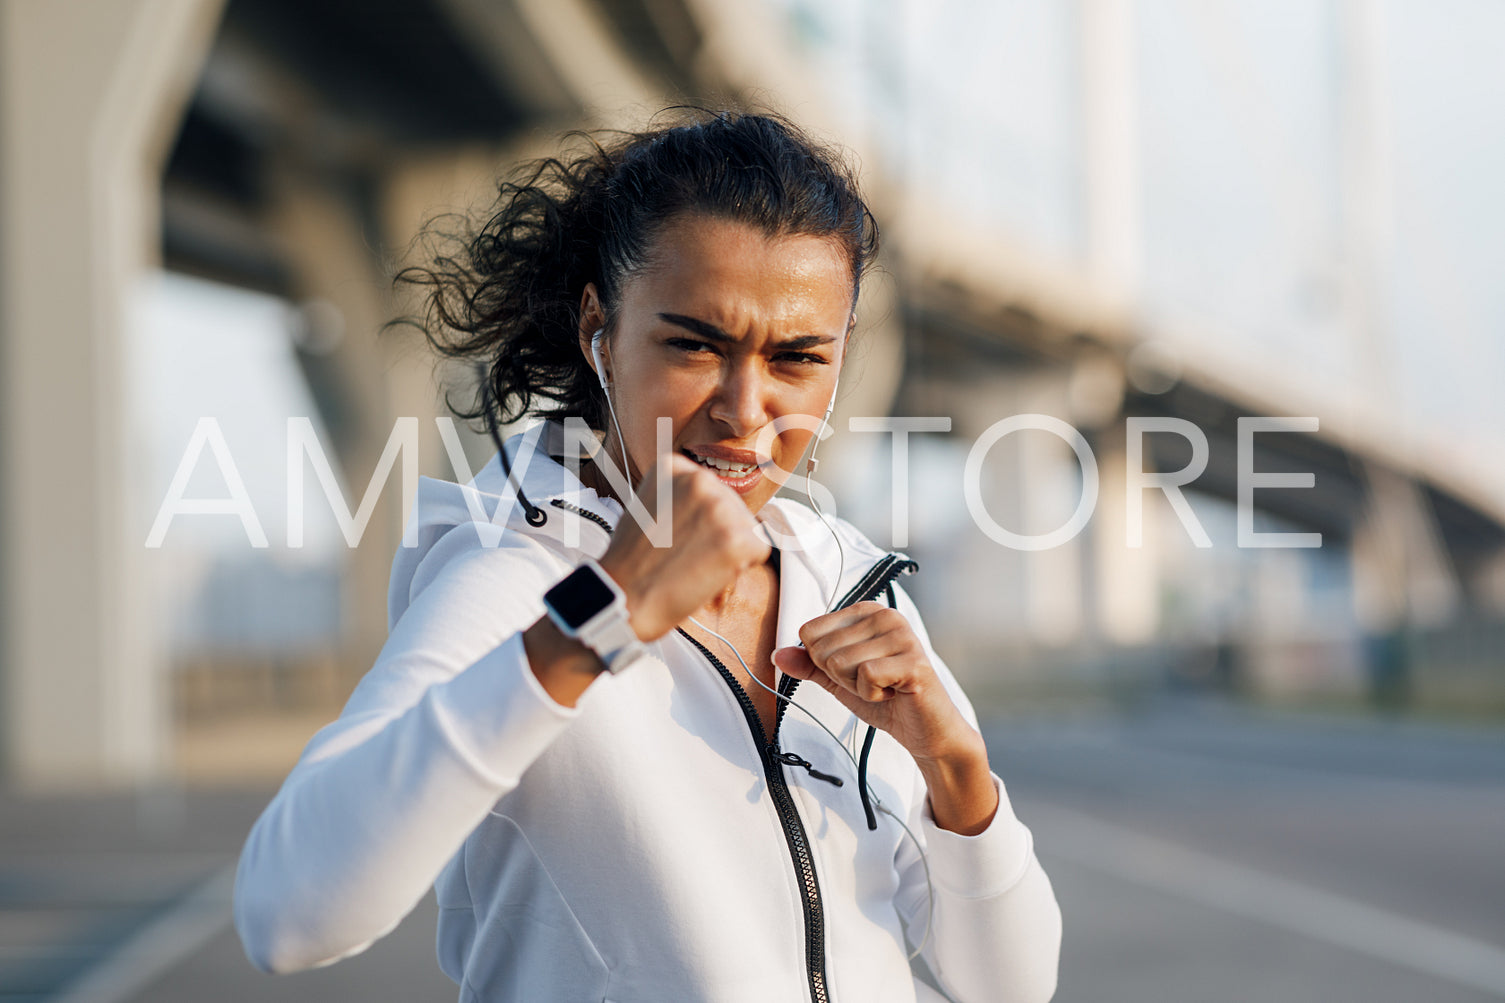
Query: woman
point(666, 830)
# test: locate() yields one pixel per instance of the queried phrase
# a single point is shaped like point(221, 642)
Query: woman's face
point(724, 332)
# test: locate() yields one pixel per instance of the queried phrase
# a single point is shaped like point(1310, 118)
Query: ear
point(592, 319)
point(846, 339)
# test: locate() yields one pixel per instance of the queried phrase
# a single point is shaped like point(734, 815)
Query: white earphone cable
point(830, 603)
point(857, 771)
point(841, 552)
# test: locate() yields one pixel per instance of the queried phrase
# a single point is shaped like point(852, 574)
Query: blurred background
point(1253, 772)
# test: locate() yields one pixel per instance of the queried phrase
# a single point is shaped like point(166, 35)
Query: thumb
point(795, 661)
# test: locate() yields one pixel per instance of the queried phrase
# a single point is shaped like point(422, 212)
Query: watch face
point(579, 597)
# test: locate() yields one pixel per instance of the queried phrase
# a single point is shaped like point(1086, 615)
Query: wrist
point(963, 751)
point(563, 665)
point(633, 593)
point(963, 764)
point(589, 606)
point(959, 783)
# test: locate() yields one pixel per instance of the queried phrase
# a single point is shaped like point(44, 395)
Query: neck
point(592, 478)
point(736, 595)
point(718, 603)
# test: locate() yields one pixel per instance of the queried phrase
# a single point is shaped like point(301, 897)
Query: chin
point(755, 502)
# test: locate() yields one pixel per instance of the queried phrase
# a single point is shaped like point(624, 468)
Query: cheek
point(667, 393)
point(791, 446)
point(679, 393)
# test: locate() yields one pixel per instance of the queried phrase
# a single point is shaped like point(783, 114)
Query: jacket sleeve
point(995, 931)
point(443, 725)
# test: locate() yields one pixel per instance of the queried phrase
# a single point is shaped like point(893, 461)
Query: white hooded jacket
point(644, 845)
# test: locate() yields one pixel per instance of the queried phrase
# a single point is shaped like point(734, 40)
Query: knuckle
point(725, 515)
point(712, 504)
point(809, 635)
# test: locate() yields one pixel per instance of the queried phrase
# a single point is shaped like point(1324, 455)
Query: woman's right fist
point(712, 539)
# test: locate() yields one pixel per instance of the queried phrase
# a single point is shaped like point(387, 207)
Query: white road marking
point(156, 947)
point(1160, 864)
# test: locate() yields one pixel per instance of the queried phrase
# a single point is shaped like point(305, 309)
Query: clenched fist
point(714, 537)
point(869, 658)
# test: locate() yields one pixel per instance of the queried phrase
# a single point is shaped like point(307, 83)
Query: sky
point(200, 349)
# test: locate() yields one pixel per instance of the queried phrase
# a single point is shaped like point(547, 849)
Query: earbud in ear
point(832, 406)
point(596, 355)
point(810, 464)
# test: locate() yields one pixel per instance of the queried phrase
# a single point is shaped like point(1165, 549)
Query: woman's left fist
point(870, 659)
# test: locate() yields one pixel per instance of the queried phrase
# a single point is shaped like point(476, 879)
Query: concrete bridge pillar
point(91, 96)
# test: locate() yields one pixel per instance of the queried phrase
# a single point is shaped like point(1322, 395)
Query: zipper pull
point(793, 760)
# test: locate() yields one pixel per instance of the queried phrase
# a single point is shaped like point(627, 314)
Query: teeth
point(740, 469)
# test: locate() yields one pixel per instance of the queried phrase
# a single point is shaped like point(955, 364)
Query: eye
point(802, 358)
point(691, 346)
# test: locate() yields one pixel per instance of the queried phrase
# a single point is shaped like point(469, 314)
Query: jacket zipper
point(593, 517)
point(793, 759)
point(794, 832)
point(874, 581)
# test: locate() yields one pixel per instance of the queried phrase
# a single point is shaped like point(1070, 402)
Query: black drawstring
point(867, 804)
point(867, 741)
point(535, 515)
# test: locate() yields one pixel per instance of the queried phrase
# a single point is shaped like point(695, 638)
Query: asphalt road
point(1203, 853)
point(1200, 853)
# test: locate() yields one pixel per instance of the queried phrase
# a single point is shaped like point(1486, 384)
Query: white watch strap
point(609, 634)
point(609, 630)
point(625, 656)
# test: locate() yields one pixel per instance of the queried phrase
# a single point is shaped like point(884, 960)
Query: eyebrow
point(713, 333)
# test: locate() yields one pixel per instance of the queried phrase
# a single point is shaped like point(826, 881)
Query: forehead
point(734, 275)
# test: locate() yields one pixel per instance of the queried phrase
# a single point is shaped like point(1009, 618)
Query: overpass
point(295, 148)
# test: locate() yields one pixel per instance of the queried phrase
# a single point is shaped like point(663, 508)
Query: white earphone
point(841, 551)
point(596, 355)
point(606, 390)
point(826, 421)
point(810, 464)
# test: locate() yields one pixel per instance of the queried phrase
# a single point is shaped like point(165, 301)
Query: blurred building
point(1095, 211)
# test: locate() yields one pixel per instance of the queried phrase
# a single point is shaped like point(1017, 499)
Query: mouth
point(737, 468)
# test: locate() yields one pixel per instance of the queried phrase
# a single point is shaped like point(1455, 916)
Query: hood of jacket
point(577, 521)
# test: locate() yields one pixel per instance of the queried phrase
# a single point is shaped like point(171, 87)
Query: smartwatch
point(592, 608)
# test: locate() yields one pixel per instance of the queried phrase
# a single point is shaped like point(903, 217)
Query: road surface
point(1201, 853)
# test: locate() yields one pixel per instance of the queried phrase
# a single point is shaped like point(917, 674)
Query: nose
point(740, 400)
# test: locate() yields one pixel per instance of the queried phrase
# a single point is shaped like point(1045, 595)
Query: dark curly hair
point(507, 297)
